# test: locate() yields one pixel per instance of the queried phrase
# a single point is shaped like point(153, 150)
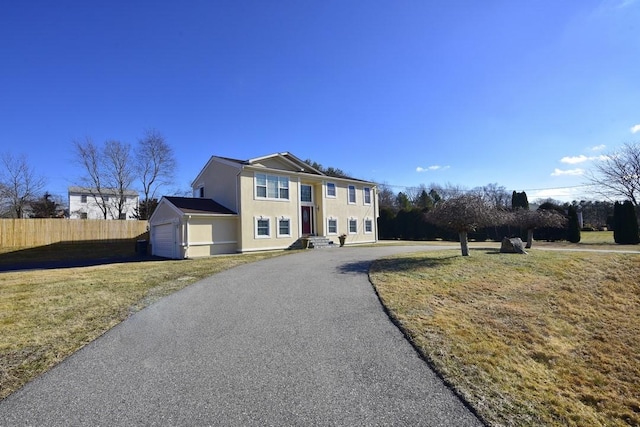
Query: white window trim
point(335, 190)
point(278, 199)
point(364, 199)
point(355, 221)
point(364, 226)
point(336, 232)
point(311, 193)
point(255, 226)
point(278, 234)
point(355, 195)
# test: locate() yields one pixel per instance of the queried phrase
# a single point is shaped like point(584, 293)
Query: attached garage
point(185, 227)
point(164, 240)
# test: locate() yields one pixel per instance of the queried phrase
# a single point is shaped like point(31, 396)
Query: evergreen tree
point(625, 224)
point(519, 200)
point(573, 234)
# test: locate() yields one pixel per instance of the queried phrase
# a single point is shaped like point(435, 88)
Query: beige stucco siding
point(209, 235)
point(342, 211)
point(219, 182)
point(252, 208)
point(164, 214)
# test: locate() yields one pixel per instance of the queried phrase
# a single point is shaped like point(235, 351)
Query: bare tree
point(530, 220)
point(464, 213)
point(19, 184)
point(618, 174)
point(448, 190)
point(496, 195)
point(155, 164)
point(108, 173)
point(120, 170)
point(88, 155)
point(386, 196)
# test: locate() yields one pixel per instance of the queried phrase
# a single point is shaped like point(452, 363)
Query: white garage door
point(164, 240)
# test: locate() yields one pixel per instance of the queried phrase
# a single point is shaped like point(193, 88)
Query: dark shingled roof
point(199, 206)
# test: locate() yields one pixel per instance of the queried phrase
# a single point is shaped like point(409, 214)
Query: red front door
point(307, 227)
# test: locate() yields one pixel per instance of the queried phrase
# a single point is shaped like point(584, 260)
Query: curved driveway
point(293, 340)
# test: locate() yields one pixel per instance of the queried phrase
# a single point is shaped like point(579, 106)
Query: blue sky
point(525, 94)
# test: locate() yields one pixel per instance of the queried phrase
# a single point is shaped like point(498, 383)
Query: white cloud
point(574, 159)
point(635, 129)
point(420, 169)
point(598, 147)
point(570, 172)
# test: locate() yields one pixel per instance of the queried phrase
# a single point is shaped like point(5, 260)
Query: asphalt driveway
point(294, 340)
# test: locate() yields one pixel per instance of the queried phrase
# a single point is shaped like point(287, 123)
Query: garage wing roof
point(199, 206)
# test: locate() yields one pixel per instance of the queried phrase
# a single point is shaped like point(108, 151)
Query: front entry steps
point(312, 242)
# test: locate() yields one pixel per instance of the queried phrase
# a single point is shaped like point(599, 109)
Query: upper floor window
point(331, 189)
point(199, 192)
point(272, 186)
point(366, 192)
point(352, 194)
point(83, 198)
point(305, 193)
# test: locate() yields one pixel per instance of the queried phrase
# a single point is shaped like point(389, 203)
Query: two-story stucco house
point(261, 204)
point(88, 203)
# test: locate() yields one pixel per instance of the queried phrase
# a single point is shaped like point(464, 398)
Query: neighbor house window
point(284, 227)
point(83, 198)
point(305, 193)
point(353, 226)
point(83, 215)
point(263, 228)
point(105, 198)
point(332, 226)
point(352, 194)
point(368, 225)
point(331, 189)
point(272, 186)
point(366, 192)
point(199, 192)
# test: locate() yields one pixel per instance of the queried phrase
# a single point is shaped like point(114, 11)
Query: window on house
point(352, 194)
point(105, 198)
point(263, 227)
point(272, 186)
point(284, 227)
point(368, 225)
point(332, 226)
point(123, 216)
point(366, 191)
point(83, 198)
point(331, 189)
point(305, 193)
point(83, 215)
point(353, 226)
point(200, 192)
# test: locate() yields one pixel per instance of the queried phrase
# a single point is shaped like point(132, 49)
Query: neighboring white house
point(86, 203)
point(263, 203)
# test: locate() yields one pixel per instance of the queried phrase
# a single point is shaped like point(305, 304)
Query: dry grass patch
point(47, 315)
point(550, 338)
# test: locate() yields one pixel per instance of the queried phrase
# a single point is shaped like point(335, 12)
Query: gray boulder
point(512, 245)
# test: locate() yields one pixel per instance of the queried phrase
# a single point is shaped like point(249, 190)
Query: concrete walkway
point(293, 340)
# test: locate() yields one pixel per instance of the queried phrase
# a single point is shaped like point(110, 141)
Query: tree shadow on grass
point(72, 255)
point(396, 264)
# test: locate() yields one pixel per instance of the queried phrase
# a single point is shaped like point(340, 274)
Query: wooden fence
point(38, 232)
